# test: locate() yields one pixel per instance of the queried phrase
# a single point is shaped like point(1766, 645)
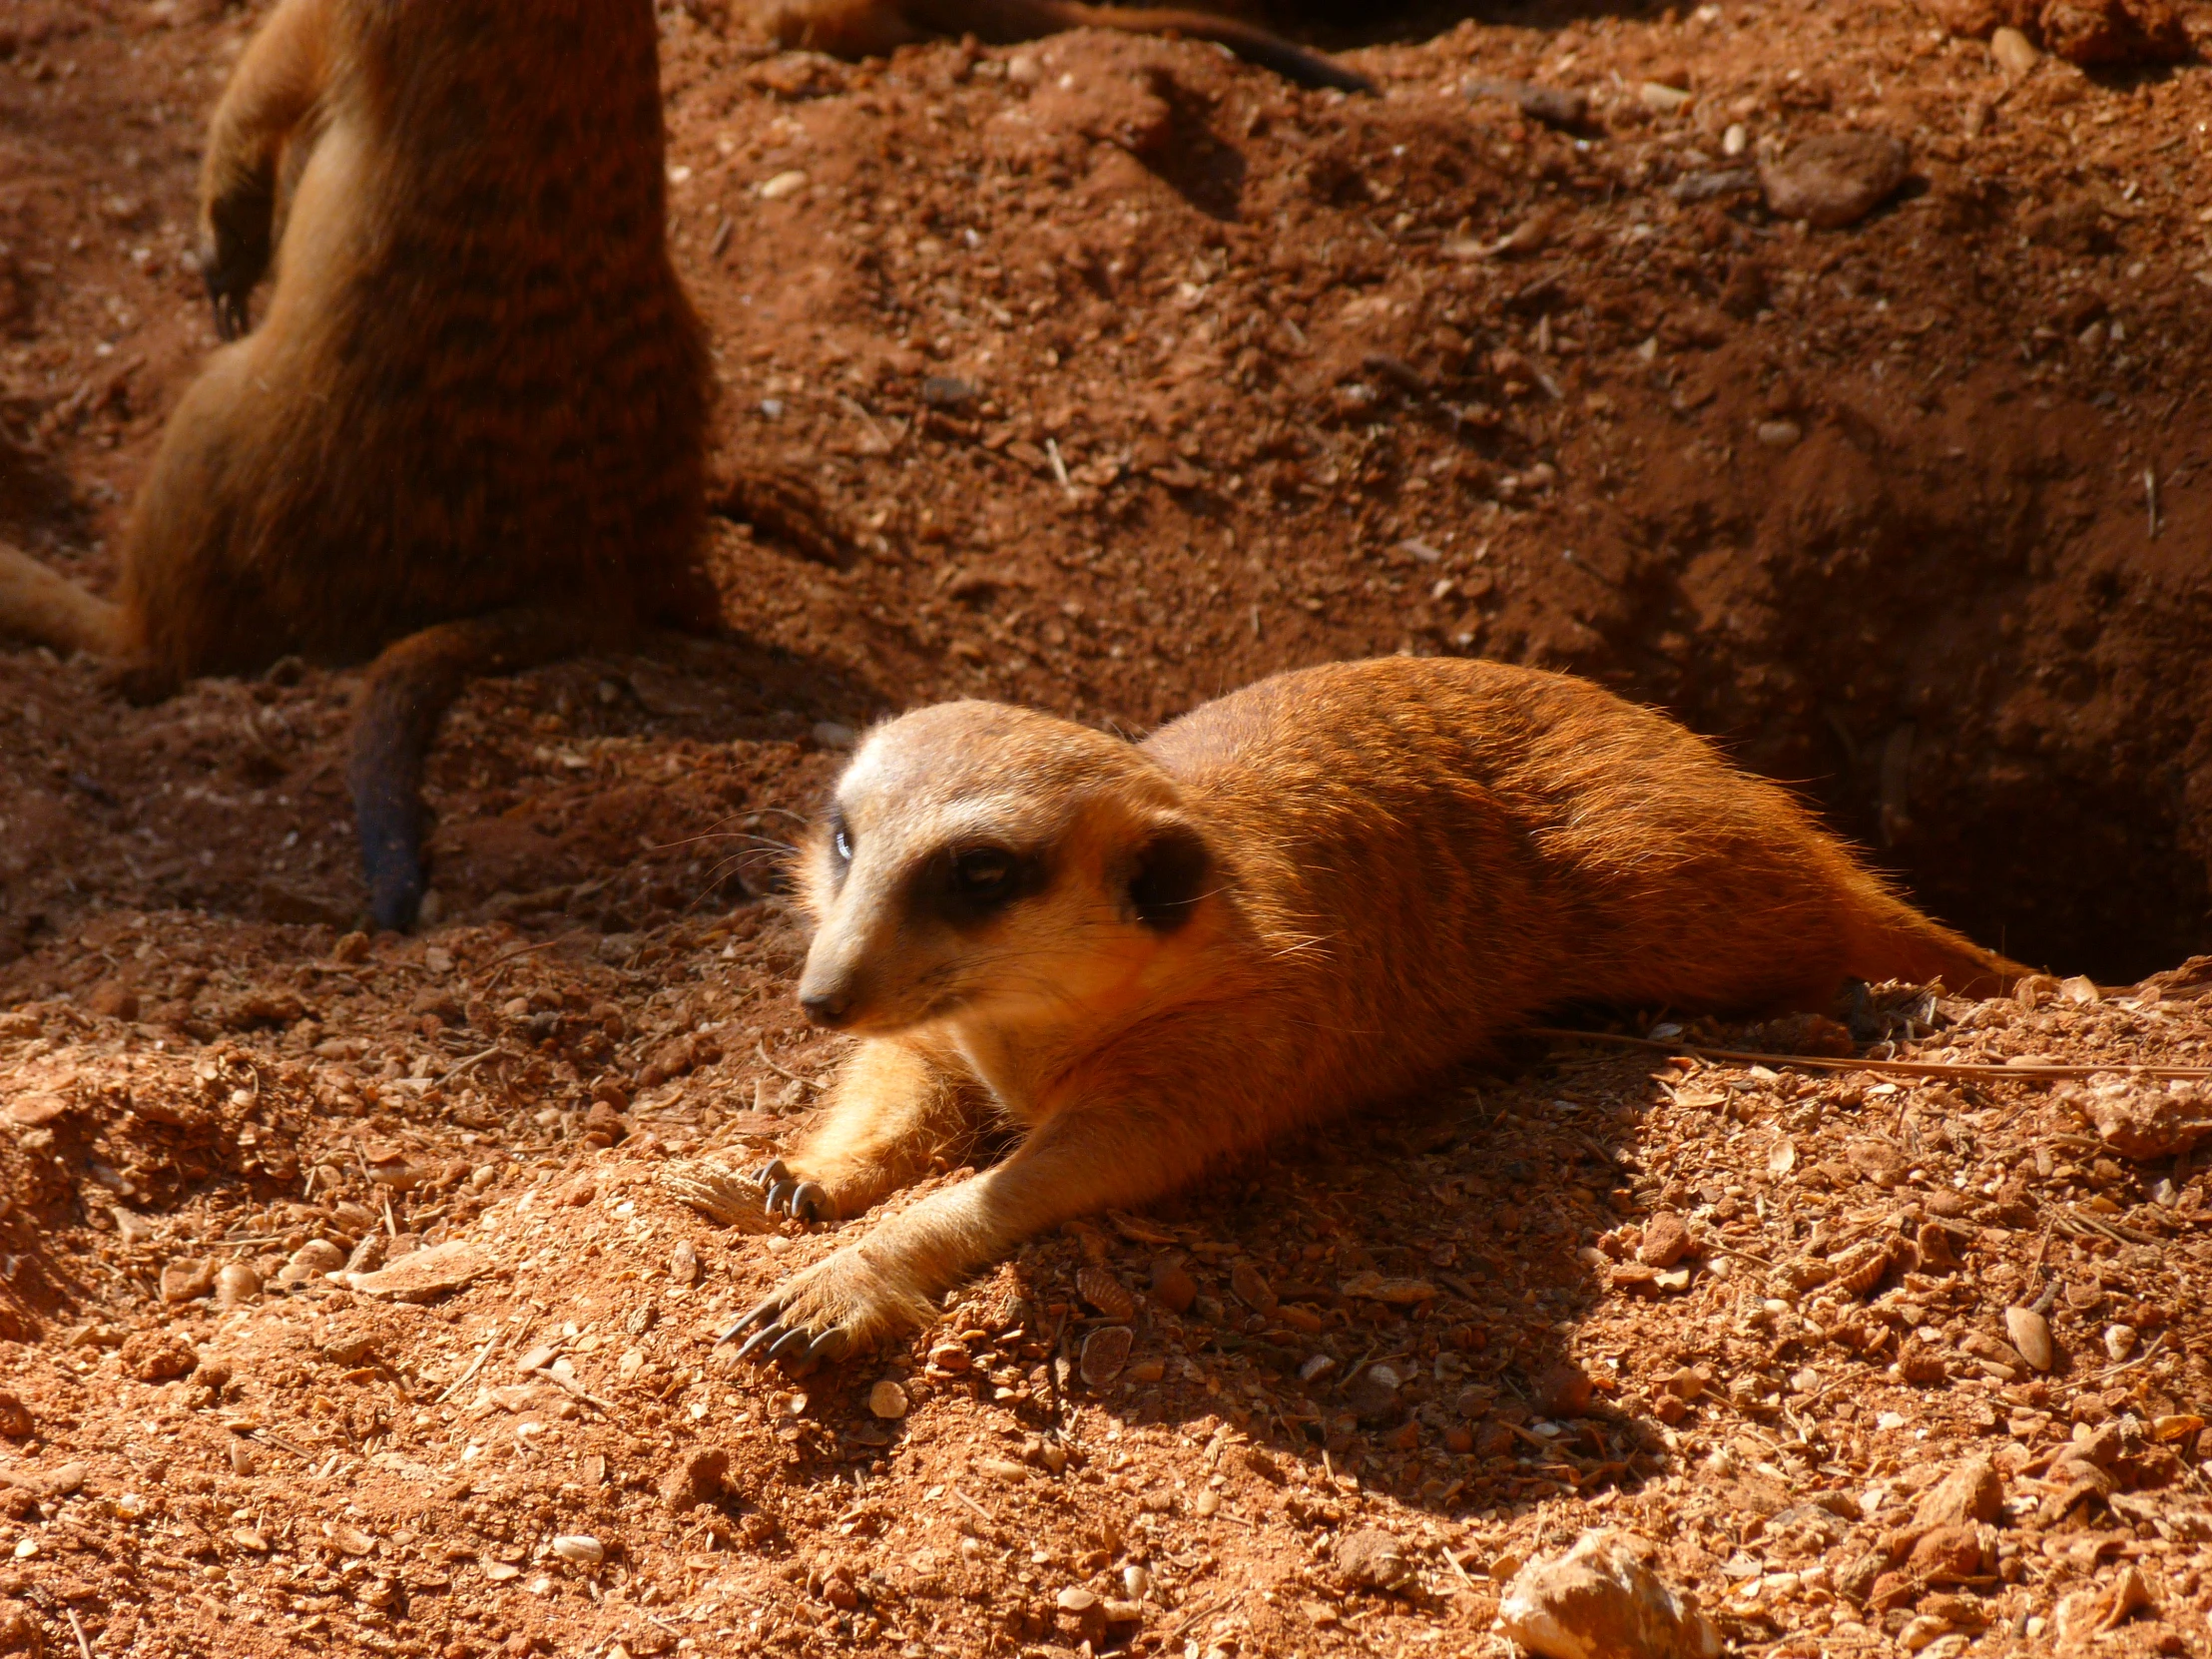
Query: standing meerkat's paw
point(849, 1302)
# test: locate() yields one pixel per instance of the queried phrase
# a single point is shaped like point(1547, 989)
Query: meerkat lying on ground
point(470, 432)
point(1317, 892)
point(876, 28)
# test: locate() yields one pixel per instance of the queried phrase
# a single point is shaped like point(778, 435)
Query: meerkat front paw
point(846, 1302)
point(788, 1195)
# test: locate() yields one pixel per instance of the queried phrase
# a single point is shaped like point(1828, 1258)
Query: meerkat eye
point(840, 840)
point(984, 871)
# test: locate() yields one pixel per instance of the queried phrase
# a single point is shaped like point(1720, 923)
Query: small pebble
point(887, 1400)
point(1662, 98)
point(236, 1283)
point(683, 1263)
point(2031, 1334)
point(1835, 179)
point(187, 1281)
point(15, 1418)
point(780, 185)
point(581, 1548)
point(2014, 53)
point(2119, 1341)
point(1172, 1286)
point(1779, 434)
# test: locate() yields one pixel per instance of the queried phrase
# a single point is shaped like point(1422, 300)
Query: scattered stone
point(1554, 106)
point(1372, 1559)
point(1082, 1611)
point(158, 1355)
point(1373, 1396)
point(15, 1418)
point(1252, 1289)
point(2031, 1334)
point(2119, 1341)
point(1661, 99)
point(887, 1400)
point(1105, 1354)
point(1779, 434)
point(1602, 1600)
point(428, 1274)
point(349, 1540)
point(698, 1479)
point(683, 1264)
point(1563, 1390)
point(580, 1549)
point(369, 1254)
point(1172, 1287)
point(1970, 1493)
point(1835, 179)
point(1259, 1463)
point(2142, 1120)
point(1665, 1242)
point(313, 1260)
point(950, 1357)
point(1946, 1555)
point(2014, 53)
point(604, 1125)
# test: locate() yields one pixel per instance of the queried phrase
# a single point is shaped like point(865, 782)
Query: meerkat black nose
point(828, 1007)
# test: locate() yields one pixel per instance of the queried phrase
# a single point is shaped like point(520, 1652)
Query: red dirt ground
point(1247, 381)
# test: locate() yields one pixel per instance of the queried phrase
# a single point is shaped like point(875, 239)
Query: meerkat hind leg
point(893, 1110)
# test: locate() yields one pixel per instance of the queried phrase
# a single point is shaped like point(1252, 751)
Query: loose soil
point(1128, 375)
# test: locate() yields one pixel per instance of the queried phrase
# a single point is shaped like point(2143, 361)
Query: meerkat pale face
point(984, 862)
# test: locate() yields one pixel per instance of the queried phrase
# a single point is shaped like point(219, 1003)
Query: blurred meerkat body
point(1316, 891)
point(876, 28)
point(470, 427)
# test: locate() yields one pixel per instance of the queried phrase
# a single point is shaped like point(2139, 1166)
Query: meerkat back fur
point(1316, 891)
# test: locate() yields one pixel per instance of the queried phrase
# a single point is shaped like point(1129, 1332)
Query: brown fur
point(876, 28)
point(476, 406)
point(1321, 890)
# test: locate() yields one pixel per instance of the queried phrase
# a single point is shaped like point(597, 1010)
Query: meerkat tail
point(1006, 21)
point(46, 607)
point(410, 686)
point(1889, 940)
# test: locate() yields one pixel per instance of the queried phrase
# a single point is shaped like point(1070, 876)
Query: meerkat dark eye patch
point(974, 883)
point(1173, 870)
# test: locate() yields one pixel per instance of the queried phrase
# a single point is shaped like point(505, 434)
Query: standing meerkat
point(876, 28)
point(1317, 892)
point(469, 434)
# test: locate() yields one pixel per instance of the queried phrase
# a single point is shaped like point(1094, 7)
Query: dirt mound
point(1755, 1312)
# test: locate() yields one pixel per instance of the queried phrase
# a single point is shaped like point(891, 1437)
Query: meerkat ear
point(1172, 870)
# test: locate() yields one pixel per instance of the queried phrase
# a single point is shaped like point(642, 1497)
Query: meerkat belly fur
point(1314, 893)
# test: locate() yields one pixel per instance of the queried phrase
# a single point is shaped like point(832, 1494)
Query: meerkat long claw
point(791, 1348)
point(832, 1345)
point(770, 1172)
point(764, 1310)
point(809, 1202)
point(769, 1333)
point(779, 1198)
